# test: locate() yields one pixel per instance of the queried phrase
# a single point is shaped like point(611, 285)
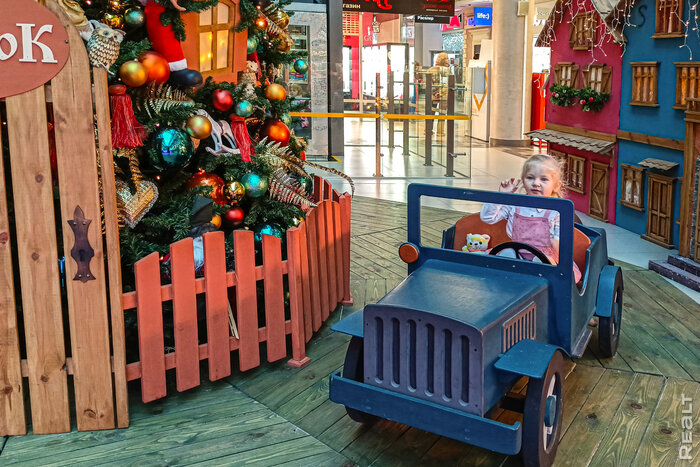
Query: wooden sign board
point(33, 46)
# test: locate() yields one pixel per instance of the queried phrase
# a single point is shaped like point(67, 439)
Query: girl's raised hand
point(510, 185)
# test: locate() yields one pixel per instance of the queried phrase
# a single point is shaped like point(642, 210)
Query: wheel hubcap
point(550, 411)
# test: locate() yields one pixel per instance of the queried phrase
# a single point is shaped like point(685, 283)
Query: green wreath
point(592, 100)
point(563, 95)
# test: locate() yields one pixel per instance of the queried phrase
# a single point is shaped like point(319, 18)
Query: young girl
point(539, 228)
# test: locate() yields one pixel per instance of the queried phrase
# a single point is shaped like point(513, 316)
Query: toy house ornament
point(583, 105)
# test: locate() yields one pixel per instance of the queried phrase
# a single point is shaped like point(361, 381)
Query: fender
point(606, 290)
point(527, 358)
point(352, 325)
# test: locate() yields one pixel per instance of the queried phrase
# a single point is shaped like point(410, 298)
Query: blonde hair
point(553, 164)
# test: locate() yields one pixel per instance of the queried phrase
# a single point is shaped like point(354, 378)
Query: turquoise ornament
point(255, 185)
point(244, 109)
point(287, 120)
point(134, 17)
point(266, 229)
point(308, 184)
point(300, 66)
point(252, 45)
point(172, 149)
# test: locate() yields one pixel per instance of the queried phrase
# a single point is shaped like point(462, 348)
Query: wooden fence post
point(294, 262)
point(246, 299)
point(217, 305)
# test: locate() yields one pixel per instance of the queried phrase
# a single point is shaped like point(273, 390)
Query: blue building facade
point(652, 120)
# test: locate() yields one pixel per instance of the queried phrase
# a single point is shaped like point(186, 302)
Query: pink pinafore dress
point(535, 231)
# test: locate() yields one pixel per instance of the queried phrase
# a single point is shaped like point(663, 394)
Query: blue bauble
point(134, 17)
point(300, 66)
point(173, 149)
point(287, 120)
point(251, 45)
point(266, 229)
point(244, 109)
point(255, 185)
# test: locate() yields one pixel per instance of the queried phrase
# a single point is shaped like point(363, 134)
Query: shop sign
point(33, 47)
point(432, 19)
point(483, 16)
point(404, 7)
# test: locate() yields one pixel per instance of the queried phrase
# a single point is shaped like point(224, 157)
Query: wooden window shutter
point(576, 173)
point(645, 77)
point(631, 194)
point(606, 81)
point(556, 73)
point(598, 202)
point(687, 83)
point(574, 76)
point(668, 19)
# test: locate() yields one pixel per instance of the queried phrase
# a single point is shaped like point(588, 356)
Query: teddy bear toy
point(477, 243)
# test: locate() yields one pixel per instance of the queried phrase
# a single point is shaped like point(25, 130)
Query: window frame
point(634, 174)
point(213, 29)
point(585, 23)
point(652, 81)
point(572, 164)
point(558, 71)
point(605, 83)
point(682, 85)
point(660, 20)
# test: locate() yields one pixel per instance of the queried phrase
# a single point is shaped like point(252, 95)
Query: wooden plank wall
point(316, 254)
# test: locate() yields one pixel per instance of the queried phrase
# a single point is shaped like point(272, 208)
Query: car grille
point(424, 356)
point(519, 327)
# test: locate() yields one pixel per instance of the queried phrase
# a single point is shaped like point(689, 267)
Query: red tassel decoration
point(127, 132)
point(240, 134)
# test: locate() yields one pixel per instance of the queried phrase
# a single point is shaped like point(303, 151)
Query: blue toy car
point(444, 348)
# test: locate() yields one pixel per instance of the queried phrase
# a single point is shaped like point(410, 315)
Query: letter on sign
point(33, 47)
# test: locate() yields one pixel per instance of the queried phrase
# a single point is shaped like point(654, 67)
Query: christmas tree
point(194, 157)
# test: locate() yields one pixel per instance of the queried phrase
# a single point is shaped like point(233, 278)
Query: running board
point(582, 343)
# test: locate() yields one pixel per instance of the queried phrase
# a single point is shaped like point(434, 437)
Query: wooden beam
point(677, 144)
point(582, 132)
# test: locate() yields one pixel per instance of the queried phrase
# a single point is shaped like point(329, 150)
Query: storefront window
point(299, 87)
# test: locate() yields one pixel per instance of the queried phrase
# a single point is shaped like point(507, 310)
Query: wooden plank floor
point(620, 411)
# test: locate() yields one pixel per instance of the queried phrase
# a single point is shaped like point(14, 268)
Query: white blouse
point(492, 213)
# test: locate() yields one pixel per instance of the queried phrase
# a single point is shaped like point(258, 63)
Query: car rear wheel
point(609, 326)
point(354, 369)
point(543, 415)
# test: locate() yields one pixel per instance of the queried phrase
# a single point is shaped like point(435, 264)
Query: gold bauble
point(281, 19)
point(113, 19)
point(234, 191)
point(285, 45)
point(199, 127)
point(133, 73)
point(275, 92)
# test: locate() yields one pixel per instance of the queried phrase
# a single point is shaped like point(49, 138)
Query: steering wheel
point(516, 247)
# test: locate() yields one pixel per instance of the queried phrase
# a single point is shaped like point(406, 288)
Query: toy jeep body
point(443, 348)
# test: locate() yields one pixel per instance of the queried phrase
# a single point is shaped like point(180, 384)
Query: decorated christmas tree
point(193, 156)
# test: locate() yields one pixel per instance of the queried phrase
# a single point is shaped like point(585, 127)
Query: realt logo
point(9, 44)
point(686, 447)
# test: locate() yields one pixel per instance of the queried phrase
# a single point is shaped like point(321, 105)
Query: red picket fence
point(318, 273)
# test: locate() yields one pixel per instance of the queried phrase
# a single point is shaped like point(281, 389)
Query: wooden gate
point(660, 209)
point(66, 327)
point(600, 180)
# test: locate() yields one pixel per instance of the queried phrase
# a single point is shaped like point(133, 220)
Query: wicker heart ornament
point(136, 205)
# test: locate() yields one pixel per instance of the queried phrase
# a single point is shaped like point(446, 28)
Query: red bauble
point(223, 100)
point(156, 66)
point(303, 155)
point(214, 181)
point(276, 131)
point(234, 216)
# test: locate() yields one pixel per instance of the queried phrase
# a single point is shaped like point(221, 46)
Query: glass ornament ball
point(251, 45)
point(255, 185)
point(275, 92)
point(233, 217)
point(222, 99)
point(173, 149)
point(244, 109)
point(199, 127)
point(234, 191)
point(300, 66)
point(307, 184)
point(281, 19)
point(134, 17)
point(275, 130)
point(133, 73)
point(156, 65)
point(207, 179)
point(266, 229)
point(113, 19)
